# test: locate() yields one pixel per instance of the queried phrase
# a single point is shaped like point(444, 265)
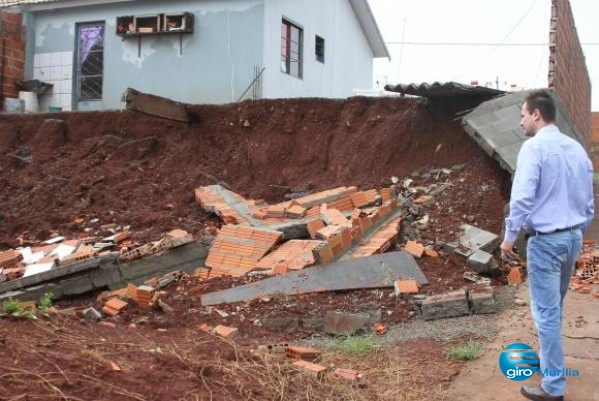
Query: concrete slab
point(495, 126)
point(155, 105)
point(377, 271)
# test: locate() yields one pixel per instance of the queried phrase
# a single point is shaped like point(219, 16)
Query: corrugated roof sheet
point(447, 89)
point(9, 3)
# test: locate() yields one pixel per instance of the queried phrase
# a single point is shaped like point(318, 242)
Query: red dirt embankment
point(140, 171)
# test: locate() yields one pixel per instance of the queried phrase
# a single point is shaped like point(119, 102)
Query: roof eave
point(370, 28)
point(53, 5)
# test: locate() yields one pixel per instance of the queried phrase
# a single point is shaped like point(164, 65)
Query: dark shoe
point(536, 393)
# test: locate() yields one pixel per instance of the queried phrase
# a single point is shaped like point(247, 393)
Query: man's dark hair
point(541, 100)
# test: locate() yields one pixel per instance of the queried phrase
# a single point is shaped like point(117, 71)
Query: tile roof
point(8, 3)
point(445, 89)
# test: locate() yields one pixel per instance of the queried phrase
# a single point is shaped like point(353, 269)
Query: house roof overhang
point(370, 28)
point(441, 90)
point(42, 5)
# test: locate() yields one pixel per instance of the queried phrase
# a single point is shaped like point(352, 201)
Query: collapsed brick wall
point(568, 73)
point(12, 53)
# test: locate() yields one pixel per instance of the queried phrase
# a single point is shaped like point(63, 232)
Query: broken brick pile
point(336, 221)
point(586, 270)
point(60, 252)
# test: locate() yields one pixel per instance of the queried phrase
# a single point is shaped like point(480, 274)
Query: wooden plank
point(376, 271)
point(155, 105)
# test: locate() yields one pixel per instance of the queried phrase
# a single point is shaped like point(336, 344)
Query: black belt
point(534, 233)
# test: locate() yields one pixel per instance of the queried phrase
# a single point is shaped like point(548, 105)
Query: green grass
point(356, 346)
point(11, 306)
point(465, 352)
point(44, 303)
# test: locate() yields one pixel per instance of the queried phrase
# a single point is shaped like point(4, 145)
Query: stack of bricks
point(388, 193)
point(414, 248)
point(327, 196)
point(333, 216)
point(10, 258)
point(83, 252)
point(364, 198)
point(295, 254)
point(236, 249)
point(275, 211)
point(587, 265)
point(324, 253)
point(10, 263)
point(405, 286)
point(144, 296)
point(114, 306)
point(296, 211)
point(313, 227)
point(380, 241)
point(343, 204)
point(211, 201)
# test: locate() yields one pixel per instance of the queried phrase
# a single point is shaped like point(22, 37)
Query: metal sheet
point(377, 271)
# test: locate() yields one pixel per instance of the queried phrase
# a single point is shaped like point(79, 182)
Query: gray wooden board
point(376, 271)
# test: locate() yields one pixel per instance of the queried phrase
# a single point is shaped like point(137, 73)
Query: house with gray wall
point(196, 51)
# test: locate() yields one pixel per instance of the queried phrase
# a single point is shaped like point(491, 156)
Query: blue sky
point(497, 43)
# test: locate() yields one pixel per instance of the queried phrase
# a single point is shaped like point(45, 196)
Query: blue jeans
point(551, 258)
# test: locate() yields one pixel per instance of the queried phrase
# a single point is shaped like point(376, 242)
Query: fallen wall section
point(103, 272)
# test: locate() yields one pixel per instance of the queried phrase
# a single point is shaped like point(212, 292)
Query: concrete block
point(482, 262)
point(92, 315)
point(471, 240)
point(450, 304)
point(483, 300)
point(474, 238)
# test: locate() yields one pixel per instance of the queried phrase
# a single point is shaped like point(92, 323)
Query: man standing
point(552, 200)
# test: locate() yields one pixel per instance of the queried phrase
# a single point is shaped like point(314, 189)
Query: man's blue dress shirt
point(552, 187)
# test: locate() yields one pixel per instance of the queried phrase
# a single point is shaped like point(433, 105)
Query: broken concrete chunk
point(91, 314)
point(483, 300)
point(471, 240)
point(450, 304)
point(482, 262)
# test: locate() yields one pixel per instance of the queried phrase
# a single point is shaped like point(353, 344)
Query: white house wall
point(214, 64)
point(348, 56)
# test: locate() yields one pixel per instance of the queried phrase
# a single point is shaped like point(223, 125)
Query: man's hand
point(507, 252)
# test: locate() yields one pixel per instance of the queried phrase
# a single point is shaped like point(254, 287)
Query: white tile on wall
point(44, 59)
point(55, 73)
point(66, 86)
point(66, 71)
point(66, 58)
point(55, 59)
point(65, 100)
point(36, 60)
point(55, 100)
point(44, 73)
point(37, 73)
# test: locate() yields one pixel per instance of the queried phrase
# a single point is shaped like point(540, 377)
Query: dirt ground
point(71, 173)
